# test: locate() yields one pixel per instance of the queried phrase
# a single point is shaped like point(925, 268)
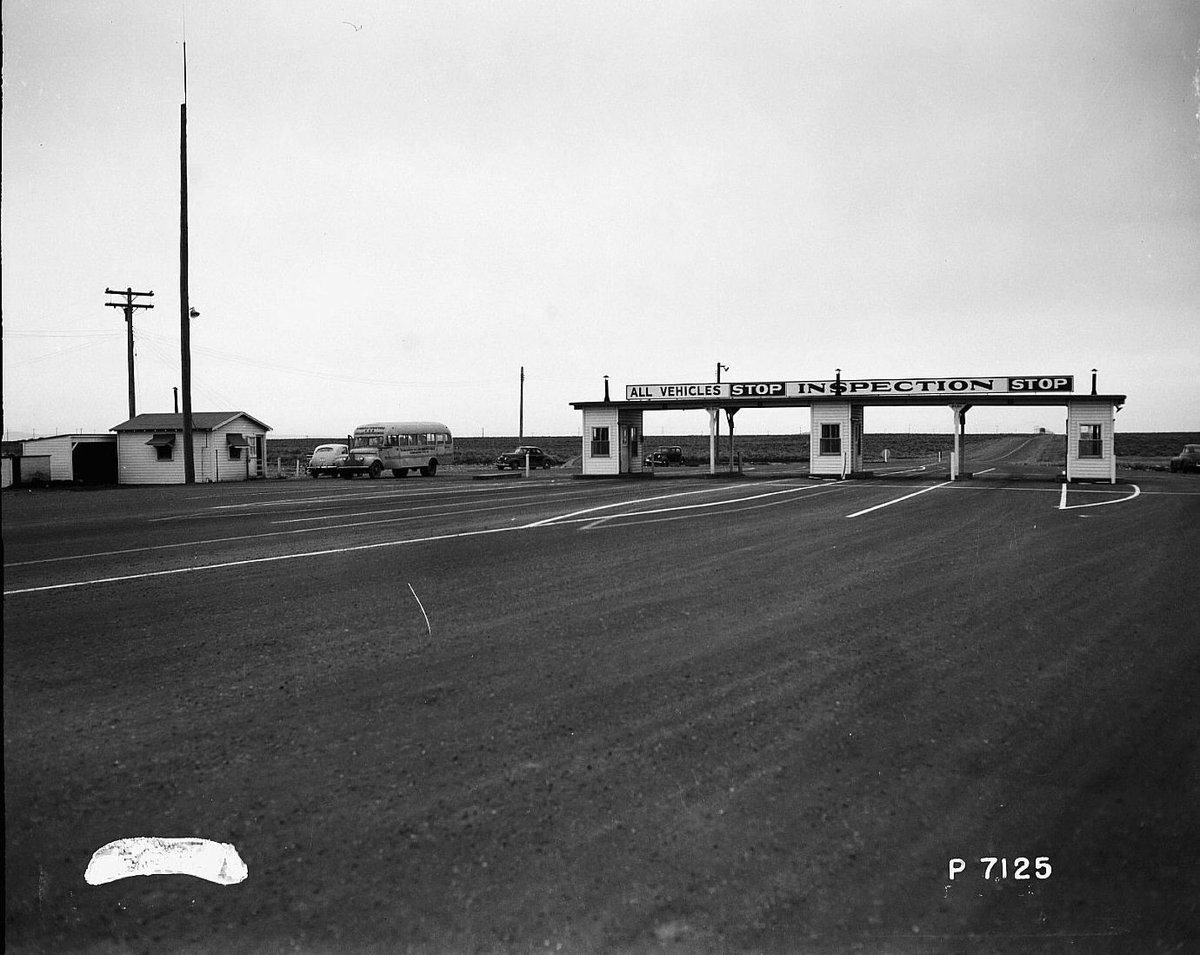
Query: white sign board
point(767, 390)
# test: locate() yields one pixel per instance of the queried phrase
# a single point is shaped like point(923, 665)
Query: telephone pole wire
point(128, 306)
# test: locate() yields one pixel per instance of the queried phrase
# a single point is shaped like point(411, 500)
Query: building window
point(163, 445)
point(1091, 443)
point(600, 443)
point(831, 439)
point(236, 442)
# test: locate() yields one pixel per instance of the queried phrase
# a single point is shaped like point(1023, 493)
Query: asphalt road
point(444, 715)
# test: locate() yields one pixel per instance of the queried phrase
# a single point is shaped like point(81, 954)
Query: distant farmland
point(1147, 449)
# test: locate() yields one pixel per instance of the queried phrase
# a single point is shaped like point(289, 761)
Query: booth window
point(831, 439)
point(236, 443)
point(163, 445)
point(600, 443)
point(1091, 444)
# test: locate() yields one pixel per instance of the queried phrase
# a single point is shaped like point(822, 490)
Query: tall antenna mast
point(185, 329)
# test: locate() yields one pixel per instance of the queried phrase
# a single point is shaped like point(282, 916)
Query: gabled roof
point(201, 421)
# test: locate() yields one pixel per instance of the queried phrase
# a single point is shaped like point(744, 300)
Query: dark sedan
point(515, 459)
point(1188, 459)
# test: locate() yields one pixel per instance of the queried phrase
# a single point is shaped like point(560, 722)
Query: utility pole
point(185, 328)
point(128, 306)
point(521, 413)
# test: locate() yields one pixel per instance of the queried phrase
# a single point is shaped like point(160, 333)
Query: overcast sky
point(396, 205)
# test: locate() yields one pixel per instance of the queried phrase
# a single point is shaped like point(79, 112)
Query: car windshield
point(1191, 449)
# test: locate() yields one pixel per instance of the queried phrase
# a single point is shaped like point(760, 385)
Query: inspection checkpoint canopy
point(985, 390)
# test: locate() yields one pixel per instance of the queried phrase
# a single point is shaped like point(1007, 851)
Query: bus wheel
point(400, 472)
point(375, 470)
point(429, 471)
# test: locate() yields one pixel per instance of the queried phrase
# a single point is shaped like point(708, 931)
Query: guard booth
point(835, 439)
point(612, 439)
point(1091, 441)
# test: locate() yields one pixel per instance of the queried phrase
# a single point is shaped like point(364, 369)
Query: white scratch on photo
point(151, 855)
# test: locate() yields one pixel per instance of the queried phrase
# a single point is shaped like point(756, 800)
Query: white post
point(527, 464)
point(712, 439)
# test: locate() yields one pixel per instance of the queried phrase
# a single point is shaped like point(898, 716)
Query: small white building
point(226, 446)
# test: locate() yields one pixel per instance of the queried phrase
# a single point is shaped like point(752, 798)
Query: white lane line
point(1013, 451)
point(336, 498)
point(924, 490)
point(645, 500)
point(1063, 506)
point(633, 518)
point(247, 537)
point(733, 503)
point(985, 470)
point(258, 560)
point(419, 507)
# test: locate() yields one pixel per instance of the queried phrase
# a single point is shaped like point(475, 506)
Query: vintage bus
point(397, 446)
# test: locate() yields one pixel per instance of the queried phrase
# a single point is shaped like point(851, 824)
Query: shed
point(77, 458)
point(226, 446)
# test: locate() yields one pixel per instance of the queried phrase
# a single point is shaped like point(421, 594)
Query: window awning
point(162, 441)
point(237, 441)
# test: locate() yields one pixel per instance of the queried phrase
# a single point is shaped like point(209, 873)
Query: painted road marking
point(246, 537)
point(1063, 506)
point(731, 503)
point(419, 507)
point(630, 518)
point(350, 549)
point(567, 518)
point(924, 490)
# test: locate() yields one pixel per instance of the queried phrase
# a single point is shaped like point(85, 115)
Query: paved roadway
point(500, 715)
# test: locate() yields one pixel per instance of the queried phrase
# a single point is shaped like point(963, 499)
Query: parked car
point(665, 457)
point(326, 459)
point(515, 459)
point(1188, 459)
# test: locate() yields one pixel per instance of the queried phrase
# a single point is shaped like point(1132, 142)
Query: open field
point(680, 714)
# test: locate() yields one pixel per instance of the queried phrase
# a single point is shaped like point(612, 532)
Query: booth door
point(255, 466)
point(625, 445)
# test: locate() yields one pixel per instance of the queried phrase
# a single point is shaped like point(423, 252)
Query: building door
point(626, 432)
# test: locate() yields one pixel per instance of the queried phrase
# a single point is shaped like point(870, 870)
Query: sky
point(395, 206)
